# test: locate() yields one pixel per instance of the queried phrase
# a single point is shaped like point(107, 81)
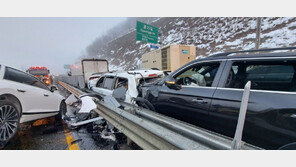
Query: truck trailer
point(169, 58)
point(80, 73)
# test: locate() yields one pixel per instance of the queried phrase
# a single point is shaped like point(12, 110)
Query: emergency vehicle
point(42, 73)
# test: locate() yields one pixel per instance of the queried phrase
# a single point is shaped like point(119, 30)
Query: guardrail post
point(237, 140)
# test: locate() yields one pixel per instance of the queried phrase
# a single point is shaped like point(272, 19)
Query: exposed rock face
point(210, 35)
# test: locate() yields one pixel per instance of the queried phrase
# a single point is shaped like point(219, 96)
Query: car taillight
point(91, 78)
point(152, 75)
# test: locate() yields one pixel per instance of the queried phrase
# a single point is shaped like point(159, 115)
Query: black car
point(208, 92)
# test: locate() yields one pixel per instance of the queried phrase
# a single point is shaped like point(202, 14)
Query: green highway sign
point(67, 66)
point(147, 33)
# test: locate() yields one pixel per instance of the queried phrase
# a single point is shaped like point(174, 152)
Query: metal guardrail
point(74, 80)
point(151, 130)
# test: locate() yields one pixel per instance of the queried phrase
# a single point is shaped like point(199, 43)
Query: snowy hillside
point(209, 35)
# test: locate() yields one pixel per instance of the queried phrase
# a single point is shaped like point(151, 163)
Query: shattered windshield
point(151, 80)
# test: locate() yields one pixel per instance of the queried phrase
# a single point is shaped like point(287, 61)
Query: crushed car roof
point(136, 73)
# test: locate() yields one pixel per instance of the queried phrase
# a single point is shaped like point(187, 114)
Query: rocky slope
point(209, 35)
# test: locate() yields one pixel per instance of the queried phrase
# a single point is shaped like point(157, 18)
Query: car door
point(270, 121)
point(50, 102)
point(99, 85)
point(33, 98)
point(124, 82)
point(105, 85)
point(192, 102)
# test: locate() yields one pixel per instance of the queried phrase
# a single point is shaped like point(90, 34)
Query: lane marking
point(68, 135)
point(69, 139)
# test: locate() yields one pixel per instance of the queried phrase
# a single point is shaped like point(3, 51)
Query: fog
point(121, 29)
point(50, 42)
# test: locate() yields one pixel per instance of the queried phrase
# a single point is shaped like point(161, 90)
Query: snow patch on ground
point(129, 52)
point(144, 46)
point(272, 22)
point(200, 57)
point(113, 67)
point(280, 37)
point(179, 23)
point(211, 35)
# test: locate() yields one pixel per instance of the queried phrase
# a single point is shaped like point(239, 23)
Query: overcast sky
point(50, 42)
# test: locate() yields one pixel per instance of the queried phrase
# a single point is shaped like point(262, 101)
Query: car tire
point(63, 108)
point(62, 112)
point(9, 121)
point(290, 146)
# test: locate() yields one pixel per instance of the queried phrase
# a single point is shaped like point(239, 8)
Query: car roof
point(134, 73)
point(222, 56)
point(4, 66)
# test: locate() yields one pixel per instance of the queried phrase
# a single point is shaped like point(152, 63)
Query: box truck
point(80, 73)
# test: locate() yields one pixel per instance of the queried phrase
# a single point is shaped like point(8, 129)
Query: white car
point(93, 79)
point(129, 79)
point(24, 98)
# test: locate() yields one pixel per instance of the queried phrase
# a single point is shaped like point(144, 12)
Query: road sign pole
point(258, 32)
point(160, 38)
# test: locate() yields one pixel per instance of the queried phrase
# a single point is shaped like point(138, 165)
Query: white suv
point(108, 82)
point(93, 79)
point(24, 98)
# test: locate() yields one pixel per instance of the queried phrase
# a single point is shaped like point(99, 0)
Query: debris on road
point(71, 99)
point(83, 121)
point(87, 105)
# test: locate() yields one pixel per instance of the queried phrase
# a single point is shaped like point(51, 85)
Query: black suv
point(207, 93)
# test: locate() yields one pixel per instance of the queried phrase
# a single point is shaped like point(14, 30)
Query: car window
point(108, 83)
point(17, 76)
point(121, 82)
point(198, 75)
point(38, 83)
point(21, 77)
point(275, 76)
point(100, 82)
point(151, 80)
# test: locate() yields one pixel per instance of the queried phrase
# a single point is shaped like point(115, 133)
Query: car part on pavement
point(87, 104)
point(71, 99)
point(76, 124)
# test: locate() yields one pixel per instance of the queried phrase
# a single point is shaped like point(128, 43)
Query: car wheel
point(9, 121)
point(62, 112)
point(290, 146)
point(63, 108)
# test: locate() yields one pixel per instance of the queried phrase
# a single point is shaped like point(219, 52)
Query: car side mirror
point(53, 88)
point(173, 85)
